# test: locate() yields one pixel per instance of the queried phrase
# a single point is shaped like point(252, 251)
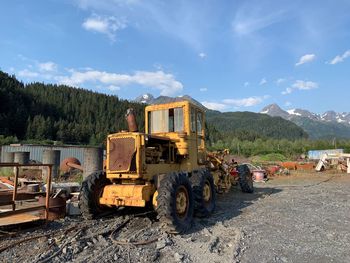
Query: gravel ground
point(299, 218)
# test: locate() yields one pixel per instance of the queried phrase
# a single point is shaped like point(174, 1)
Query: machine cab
point(182, 123)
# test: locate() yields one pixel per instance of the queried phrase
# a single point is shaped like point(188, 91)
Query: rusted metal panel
point(305, 166)
point(6, 197)
point(14, 194)
point(57, 207)
point(22, 210)
point(121, 153)
point(20, 218)
point(69, 163)
point(289, 165)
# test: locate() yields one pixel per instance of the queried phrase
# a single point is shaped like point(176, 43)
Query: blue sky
point(229, 55)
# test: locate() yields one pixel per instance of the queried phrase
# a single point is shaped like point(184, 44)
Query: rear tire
point(204, 193)
point(175, 204)
point(245, 178)
point(90, 193)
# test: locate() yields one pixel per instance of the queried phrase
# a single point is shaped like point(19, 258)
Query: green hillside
point(322, 130)
point(41, 112)
point(250, 126)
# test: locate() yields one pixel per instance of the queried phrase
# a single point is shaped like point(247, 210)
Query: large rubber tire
point(245, 178)
point(204, 193)
point(90, 192)
point(170, 186)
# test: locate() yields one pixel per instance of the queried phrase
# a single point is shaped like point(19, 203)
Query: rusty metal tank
point(131, 120)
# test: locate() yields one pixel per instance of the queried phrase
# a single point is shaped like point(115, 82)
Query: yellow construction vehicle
point(167, 167)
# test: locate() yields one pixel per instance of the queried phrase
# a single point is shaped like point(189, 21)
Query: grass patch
point(6, 172)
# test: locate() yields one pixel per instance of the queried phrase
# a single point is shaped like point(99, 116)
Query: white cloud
point(252, 18)
point(104, 25)
point(288, 103)
point(280, 81)
point(306, 59)
point(305, 85)
point(113, 88)
point(202, 55)
point(300, 85)
point(246, 84)
point(188, 24)
point(27, 73)
point(340, 58)
point(287, 91)
point(214, 105)
point(86, 76)
point(263, 81)
point(47, 66)
point(234, 103)
point(203, 89)
point(165, 82)
point(37, 69)
point(246, 102)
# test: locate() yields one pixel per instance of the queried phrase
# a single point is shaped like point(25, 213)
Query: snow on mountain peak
point(329, 116)
point(293, 112)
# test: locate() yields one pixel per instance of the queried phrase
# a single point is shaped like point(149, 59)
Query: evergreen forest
point(47, 113)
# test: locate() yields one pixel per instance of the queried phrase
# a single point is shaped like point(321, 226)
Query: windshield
point(168, 120)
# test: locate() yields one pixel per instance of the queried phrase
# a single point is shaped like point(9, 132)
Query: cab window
point(193, 120)
point(168, 120)
point(199, 123)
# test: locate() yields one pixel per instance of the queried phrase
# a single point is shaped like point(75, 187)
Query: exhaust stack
point(131, 119)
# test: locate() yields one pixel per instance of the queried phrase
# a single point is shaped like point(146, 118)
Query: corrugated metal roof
point(36, 151)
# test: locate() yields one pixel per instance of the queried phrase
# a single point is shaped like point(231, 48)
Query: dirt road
point(304, 218)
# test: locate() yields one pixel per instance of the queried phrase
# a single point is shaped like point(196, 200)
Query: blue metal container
point(317, 154)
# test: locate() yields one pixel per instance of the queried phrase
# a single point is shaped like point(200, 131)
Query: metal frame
point(14, 195)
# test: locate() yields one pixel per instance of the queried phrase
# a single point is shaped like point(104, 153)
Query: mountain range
point(319, 126)
point(328, 125)
point(150, 99)
point(243, 125)
point(328, 116)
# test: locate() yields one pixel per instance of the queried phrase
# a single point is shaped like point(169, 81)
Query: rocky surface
point(288, 219)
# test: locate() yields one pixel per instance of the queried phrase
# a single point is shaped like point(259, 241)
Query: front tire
point(245, 178)
point(175, 204)
point(204, 193)
point(90, 193)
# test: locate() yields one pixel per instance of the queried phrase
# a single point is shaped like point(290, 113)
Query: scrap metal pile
point(338, 161)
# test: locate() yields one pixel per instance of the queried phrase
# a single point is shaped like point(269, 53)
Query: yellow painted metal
point(188, 146)
point(154, 199)
point(127, 194)
point(186, 141)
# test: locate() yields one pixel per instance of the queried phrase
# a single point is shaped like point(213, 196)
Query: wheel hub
point(181, 200)
point(206, 192)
